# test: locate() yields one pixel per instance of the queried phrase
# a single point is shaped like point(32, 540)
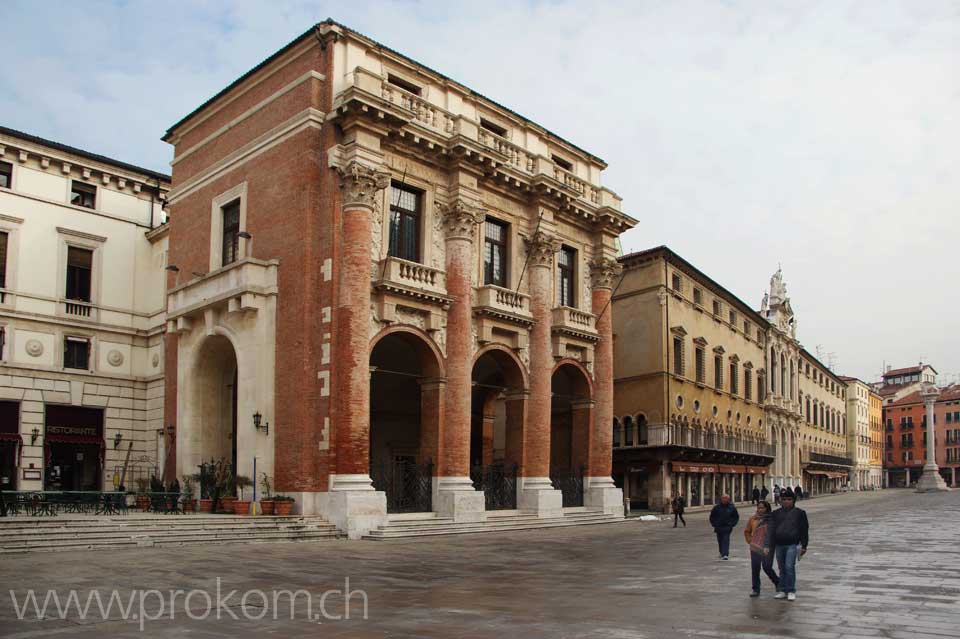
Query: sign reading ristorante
point(83, 431)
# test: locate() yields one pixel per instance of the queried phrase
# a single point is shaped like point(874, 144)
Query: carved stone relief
point(34, 347)
point(115, 358)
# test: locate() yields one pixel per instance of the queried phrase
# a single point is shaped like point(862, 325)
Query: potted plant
point(242, 506)
point(266, 501)
point(282, 505)
point(188, 493)
point(143, 500)
point(227, 484)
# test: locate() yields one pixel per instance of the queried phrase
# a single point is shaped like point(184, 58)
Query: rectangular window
point(230, 247)
point(403, 84)
point(675, 283)
point(565, 275)
point(746, 328)
point(494, 128)
point(718, 371)
point(734, 379)
point(495, 253)
point(701, 366)
point(559, 161)
point(698, 297)
point(733, 318)
point(404, 223)
point(761, 388)
point(83, 194)
point(76, 353)
point(3, 262)
point(748, 383)
point(79, 273)
point(716, 308)
point(6, 175)
point(678, 356)
point(948, 418)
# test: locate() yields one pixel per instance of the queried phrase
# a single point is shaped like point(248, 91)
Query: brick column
point(600, 490)
point(454, 494)
point(535, 491)
point(354, 506)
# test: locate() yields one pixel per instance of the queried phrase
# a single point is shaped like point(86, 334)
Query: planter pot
point(206, 505)
point(189, 505)
point(241, 507)
point(266, 506)
point(282, 507)
point(228, 504)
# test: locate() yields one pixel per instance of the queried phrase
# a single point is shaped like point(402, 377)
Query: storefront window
point(695, 489)
point(708, 489)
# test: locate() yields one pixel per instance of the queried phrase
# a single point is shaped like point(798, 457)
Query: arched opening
point(570, 415)
point(405, 398)
point(215, 392)
point(496, 427)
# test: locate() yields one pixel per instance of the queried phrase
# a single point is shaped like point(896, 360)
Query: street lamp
point(265, 426)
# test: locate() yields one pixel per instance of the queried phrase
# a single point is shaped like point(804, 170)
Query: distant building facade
point(690, 386)
point(859, 432)
point(825, 459)
point(82, 256)
point(876, 439)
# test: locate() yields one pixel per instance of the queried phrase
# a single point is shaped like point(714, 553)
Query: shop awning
point(827, 473)
point(694, 467)
point(757, 470)
point(732, 469)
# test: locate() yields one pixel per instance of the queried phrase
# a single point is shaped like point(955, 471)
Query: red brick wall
point(895, 413)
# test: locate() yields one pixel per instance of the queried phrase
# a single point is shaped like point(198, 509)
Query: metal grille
point(408, 485)
point(570, 483)
point(499, 485)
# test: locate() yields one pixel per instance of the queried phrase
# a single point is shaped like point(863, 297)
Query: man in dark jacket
point(724, 518)
point(789, 534)
point(764, 493)
point(756, 496)
point(679, 504)
point(798, 493)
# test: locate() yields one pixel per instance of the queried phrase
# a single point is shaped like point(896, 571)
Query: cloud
point(822, 135)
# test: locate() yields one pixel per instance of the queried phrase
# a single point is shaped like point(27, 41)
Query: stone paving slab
point(881, 564)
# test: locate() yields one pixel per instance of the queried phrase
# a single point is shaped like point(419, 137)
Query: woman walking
point(761, 555)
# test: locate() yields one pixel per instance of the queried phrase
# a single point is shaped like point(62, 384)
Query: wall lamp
point(117, 439)
point(174, 268)
point(244, 235)
point(33, 436)
point(265, 426)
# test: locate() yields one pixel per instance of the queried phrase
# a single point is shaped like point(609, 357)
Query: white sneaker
point(725, 558)
point(780, 595)
point(791, 596)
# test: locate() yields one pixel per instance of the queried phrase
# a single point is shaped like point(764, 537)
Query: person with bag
point(761, 556)
point(679, 504)
point(789, 533)
point(724, 518)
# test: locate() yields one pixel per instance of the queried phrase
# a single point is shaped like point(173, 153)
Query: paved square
point(881, 564)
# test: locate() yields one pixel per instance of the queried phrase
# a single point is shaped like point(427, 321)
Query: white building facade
point(82, 283)
point(858, 432)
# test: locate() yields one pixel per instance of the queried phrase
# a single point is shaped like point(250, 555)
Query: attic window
point(493, 128)
point(403, 84)
point(563, 164)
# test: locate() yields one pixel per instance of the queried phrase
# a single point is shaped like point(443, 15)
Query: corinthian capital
point(459, 220)
point(604, 272)
point(360, 184)
point(541, 248)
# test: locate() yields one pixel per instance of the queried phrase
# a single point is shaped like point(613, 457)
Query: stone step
point(7, 538)
point(77, 530)
point(388, 532)
point(137, 520)
point(494, 519)
point(165, 536)
point(166, 542)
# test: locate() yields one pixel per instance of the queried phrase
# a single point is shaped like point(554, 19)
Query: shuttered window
point(79, 273)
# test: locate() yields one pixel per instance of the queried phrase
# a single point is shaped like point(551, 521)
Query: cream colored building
point(858, 431)
point(83, 244)
point(689, 386)
point(823, 438)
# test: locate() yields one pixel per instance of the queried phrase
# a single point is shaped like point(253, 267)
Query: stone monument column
point(599, 489)
point(453, 492)
point(930, 481)
point(354, 506)
point(535, 491)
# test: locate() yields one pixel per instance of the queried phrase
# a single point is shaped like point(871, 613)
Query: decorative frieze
point(541, 248)
point(604, 272)
point(459, 220)
point(360, 186)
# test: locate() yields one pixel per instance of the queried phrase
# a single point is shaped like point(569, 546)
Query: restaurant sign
point(693, 467)
point(74, 431)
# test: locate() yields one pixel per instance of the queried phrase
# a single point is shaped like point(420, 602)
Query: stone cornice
point(360, 185)
point(459, 219)
point(541, 247)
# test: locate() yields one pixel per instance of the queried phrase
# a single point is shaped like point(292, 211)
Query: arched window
point(641, 430)
point(628, 431)
point(783, 375)
point(616, 432)
point(773, 370)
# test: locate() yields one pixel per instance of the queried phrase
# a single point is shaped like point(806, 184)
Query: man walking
point(724, 518)
point(756, 495)
point(789, 535)
point(764, 493)
point(776, 494)
point(679, 504)
point(798, 493)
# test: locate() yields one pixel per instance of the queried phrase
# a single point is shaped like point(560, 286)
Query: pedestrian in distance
point(761, 556)
point(756, 496)
point(764, 493)
point(724, 518)
point(789, 532)
point(798, 493)
point(776, 494)
point(679, 504)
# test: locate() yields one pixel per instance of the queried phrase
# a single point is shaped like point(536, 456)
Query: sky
point(820, 136)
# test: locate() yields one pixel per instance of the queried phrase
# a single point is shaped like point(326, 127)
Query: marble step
point(389, 532)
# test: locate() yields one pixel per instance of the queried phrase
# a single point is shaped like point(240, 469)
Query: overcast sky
point(820, 135)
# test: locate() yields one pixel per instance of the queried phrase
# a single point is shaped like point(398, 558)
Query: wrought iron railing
point(408, 485)
point(569, 481)
point(498, 482)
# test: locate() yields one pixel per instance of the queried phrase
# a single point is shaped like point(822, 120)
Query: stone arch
point(571, 409)
point(431, 358)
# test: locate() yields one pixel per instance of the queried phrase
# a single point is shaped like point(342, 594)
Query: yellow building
point(689, 386)
point(876, 440)
point(823, 434)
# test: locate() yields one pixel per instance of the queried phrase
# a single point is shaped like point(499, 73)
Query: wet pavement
point(883, 564)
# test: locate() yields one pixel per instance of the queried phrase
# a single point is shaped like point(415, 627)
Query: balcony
point(574, 322)
point(413, 280)
point(644, 436)
point(813, 457)
point(503, 303)
point(78, 309)
point(238, 287)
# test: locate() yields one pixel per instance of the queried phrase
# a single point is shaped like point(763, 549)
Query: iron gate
point(499, 485)
point(408, 485)
point(569, 481)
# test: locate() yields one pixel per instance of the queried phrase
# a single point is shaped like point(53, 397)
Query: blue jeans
point(723, 541)
point(758, 561)
point(787, 562)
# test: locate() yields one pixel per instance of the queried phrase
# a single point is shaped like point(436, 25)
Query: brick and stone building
point(690, 386)
point(407, 283)
point(824, 457)
point(896, 383)
point(82, 255)
point(905, 422)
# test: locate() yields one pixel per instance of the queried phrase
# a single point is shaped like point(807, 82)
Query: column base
point(537, 494)
point(455, 497)
point(352, 505)
point(600, 492)
point(931, 481)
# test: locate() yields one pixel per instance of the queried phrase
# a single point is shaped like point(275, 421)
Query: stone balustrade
point(504, 299)
point(237, 287)
point(412, 275)
point(573, 319)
